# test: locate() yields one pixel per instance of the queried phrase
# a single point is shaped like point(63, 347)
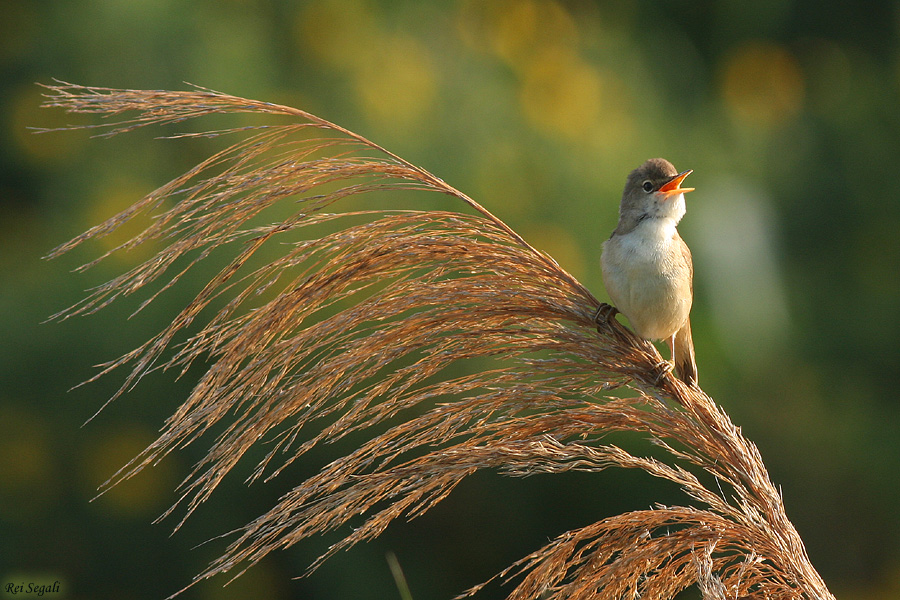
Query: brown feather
point(683, 355)
point(683, 346)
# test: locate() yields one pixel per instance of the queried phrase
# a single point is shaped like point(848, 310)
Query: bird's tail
point(683, 355)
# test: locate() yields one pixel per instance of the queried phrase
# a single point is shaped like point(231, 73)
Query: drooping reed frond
point(356, 330)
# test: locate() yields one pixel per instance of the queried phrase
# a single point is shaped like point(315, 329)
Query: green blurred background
point(788, 112)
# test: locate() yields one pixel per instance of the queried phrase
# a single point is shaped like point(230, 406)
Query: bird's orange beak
point(673, 186)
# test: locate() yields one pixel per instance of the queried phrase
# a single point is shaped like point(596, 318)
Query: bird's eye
point(648, 186)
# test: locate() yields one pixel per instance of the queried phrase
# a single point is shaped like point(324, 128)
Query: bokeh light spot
point(26, 113)
point(138, 496)
point(392, 74)
point(762, 84)
point(734, 242)
point(565, 97)
point(111, 197)
point(514, 30)
point(26, 464)
point(337, 33)
point(398, 87)
point(524, 26)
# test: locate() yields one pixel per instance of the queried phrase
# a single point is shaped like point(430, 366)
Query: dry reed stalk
point(360, 326)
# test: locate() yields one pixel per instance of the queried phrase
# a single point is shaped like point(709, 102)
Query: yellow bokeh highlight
point(514, 30)
point(393, 74)
point(399, 84)
point(561, 94)
point(264, 580)
point(564, 96)
point(26, 113)
point(762, 84)
point(338, 33)
point(110, 198)
point(523, 27)
point(26, 456)
point(143, 494)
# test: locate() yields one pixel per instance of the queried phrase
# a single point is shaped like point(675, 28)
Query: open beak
point(673, 186)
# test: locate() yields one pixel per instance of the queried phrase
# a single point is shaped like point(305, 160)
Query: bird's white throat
point(651, 236)
point(673, 208)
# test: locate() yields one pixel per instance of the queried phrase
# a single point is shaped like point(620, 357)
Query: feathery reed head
point(356, 330)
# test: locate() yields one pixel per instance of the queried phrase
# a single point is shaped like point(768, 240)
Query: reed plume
point(356, 330)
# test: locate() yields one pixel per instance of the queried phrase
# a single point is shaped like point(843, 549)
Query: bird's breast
point(648, 278)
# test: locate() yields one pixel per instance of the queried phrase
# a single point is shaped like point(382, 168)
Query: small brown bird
point(647, 267)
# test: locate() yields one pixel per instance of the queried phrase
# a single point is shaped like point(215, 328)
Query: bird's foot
point(605, 318)
point(605, 313)
point(662, 369)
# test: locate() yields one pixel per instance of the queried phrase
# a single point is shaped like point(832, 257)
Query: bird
point(646, 266)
